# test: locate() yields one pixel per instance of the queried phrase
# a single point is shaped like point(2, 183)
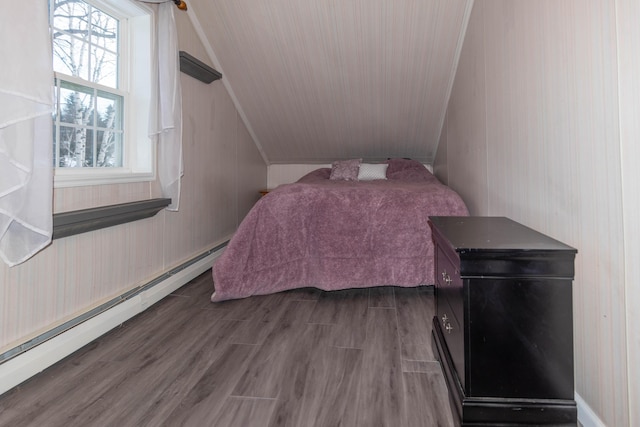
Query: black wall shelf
point(197, 69)
point(81, 221)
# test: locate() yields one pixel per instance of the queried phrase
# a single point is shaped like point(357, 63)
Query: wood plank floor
point(299, 358)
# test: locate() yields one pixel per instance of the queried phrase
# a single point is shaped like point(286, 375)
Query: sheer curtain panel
point(26, 146)
point(166, 106)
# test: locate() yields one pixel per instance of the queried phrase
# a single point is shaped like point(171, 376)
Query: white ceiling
point(321, 80)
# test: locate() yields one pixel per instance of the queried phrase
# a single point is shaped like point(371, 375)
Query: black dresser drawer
point(450, 307)
point(453, 337)
point(448, 281)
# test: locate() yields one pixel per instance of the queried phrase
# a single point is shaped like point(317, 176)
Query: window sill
point(67, 224)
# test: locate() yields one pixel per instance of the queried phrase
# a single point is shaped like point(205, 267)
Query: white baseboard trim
point(31, 362)
point(586, 416)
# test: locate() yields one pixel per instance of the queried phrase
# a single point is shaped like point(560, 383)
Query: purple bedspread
point(336, 235)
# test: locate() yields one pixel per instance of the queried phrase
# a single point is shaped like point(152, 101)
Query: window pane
point(76, 104)
point(109, 110)
point(105, 71)
point(70, 56)
point(109, 143)
point(104, 49)
point(64, 157)
point(71, 37)
point(70, 14)
point(104, 30)
point(69, 147)
point(109, 149)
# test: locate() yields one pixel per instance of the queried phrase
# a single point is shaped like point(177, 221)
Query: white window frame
point(135, 31)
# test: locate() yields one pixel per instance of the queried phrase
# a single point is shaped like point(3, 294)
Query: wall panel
point(74, 198)
point(466, 123)
point(537, 93)
point(628, 32)
point(252, 177)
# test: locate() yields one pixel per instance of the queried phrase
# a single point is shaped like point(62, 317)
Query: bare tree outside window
point(88, 120)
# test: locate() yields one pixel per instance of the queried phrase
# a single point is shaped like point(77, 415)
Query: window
point(100, 121)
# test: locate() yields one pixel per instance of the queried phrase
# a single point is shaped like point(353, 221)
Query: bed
point(332, 231)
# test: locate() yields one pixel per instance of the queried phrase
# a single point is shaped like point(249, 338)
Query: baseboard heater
point(14, 371)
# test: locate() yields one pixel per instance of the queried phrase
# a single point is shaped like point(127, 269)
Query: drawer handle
point(449, 328)
point(446, 278)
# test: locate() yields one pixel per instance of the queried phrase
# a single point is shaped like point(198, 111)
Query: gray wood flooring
point(299, 358)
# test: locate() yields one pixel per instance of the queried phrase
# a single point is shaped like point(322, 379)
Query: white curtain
point(166, 105)
point(26, 146)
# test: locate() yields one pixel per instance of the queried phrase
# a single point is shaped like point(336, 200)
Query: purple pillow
point(408, 170)
point(399, 165)
point(346, 170)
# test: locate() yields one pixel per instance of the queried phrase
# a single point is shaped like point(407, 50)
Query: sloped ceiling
point(321, 80)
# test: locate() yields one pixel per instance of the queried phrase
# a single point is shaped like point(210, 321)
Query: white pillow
point(371, 171)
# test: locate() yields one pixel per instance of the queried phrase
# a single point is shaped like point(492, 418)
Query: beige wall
point(223, 173)
point(542, 126)
point(628, 36)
